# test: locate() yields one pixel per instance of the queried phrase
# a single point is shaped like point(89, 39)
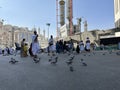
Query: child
point(25, 49)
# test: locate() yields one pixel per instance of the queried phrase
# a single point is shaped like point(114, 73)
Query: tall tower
point(85, 26)
point(79, 20)
point(117, 12)
point(39, 31)
point(62, 12)
point(44, 34)
point(1, 23)
point(69, 7)
point(57, 18)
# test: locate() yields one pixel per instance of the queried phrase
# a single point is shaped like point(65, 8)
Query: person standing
point(71, 45)
point(35, 45)
point(57, 47)
point(87, 46)
point(65, 47)
point(51, 47)
point(119, 46)
point(78, 48)
point(94, 47)
point(22, 47)
point(25, 50)
point(81, 46)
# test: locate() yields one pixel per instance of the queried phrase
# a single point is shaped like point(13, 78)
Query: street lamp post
point(79, 23)
point(48, 24)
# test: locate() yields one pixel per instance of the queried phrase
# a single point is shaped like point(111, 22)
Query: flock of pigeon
point(69, 62)
point(13, 61)
point(54, 59)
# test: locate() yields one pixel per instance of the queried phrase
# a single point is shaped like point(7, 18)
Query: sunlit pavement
point(101, 73)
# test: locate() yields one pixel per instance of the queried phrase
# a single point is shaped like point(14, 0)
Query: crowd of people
point(68, 46)
point(53, 47)
point(24, 48)
point(7, 51)
point(33, 48)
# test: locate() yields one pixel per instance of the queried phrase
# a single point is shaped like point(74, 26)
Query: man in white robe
point(81, 44)
point(51, 47)
point(87, 46)
point(35, 44)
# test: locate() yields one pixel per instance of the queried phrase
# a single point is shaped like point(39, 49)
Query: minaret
point(69, 7)
point(85, 26)
point(1, 23)
point(39, 31)
point(44, 34)
point(79, 24)
point(34, 29)
point(62, 12)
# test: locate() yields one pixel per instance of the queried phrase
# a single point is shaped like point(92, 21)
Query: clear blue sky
point(27, 13)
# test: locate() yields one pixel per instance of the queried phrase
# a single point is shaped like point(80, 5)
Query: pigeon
point(69, 62)
point(54, 62)
point(71, 69)
point(56, 58)
point(48, 54)
point(71, 58)
point(36, 60)
point(13, 61)
point(53, 54)
point(103, 53)
point(110, 52)
point(83, 63)
point(81, 60)
point(50, 59)
point(69, 54)
point(118, 53)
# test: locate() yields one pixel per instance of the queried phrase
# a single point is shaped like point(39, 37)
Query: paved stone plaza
point(102, 73)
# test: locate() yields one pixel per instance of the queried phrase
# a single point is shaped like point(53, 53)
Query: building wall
point(42, 41)
point(88, 34)
point(10, 34)
point(64, 31)
point(5, 35)
point(117, 34)
point(117, 12)
point(24, 33)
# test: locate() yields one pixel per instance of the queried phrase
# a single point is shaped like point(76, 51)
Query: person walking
point(35, 45)
point(51, 46)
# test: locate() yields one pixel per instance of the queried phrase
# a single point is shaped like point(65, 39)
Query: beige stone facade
point(10, 34)
point(94, 35)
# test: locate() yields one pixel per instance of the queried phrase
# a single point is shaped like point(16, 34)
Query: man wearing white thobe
point(35, 44)
point(81, 46)
point(87, 46)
